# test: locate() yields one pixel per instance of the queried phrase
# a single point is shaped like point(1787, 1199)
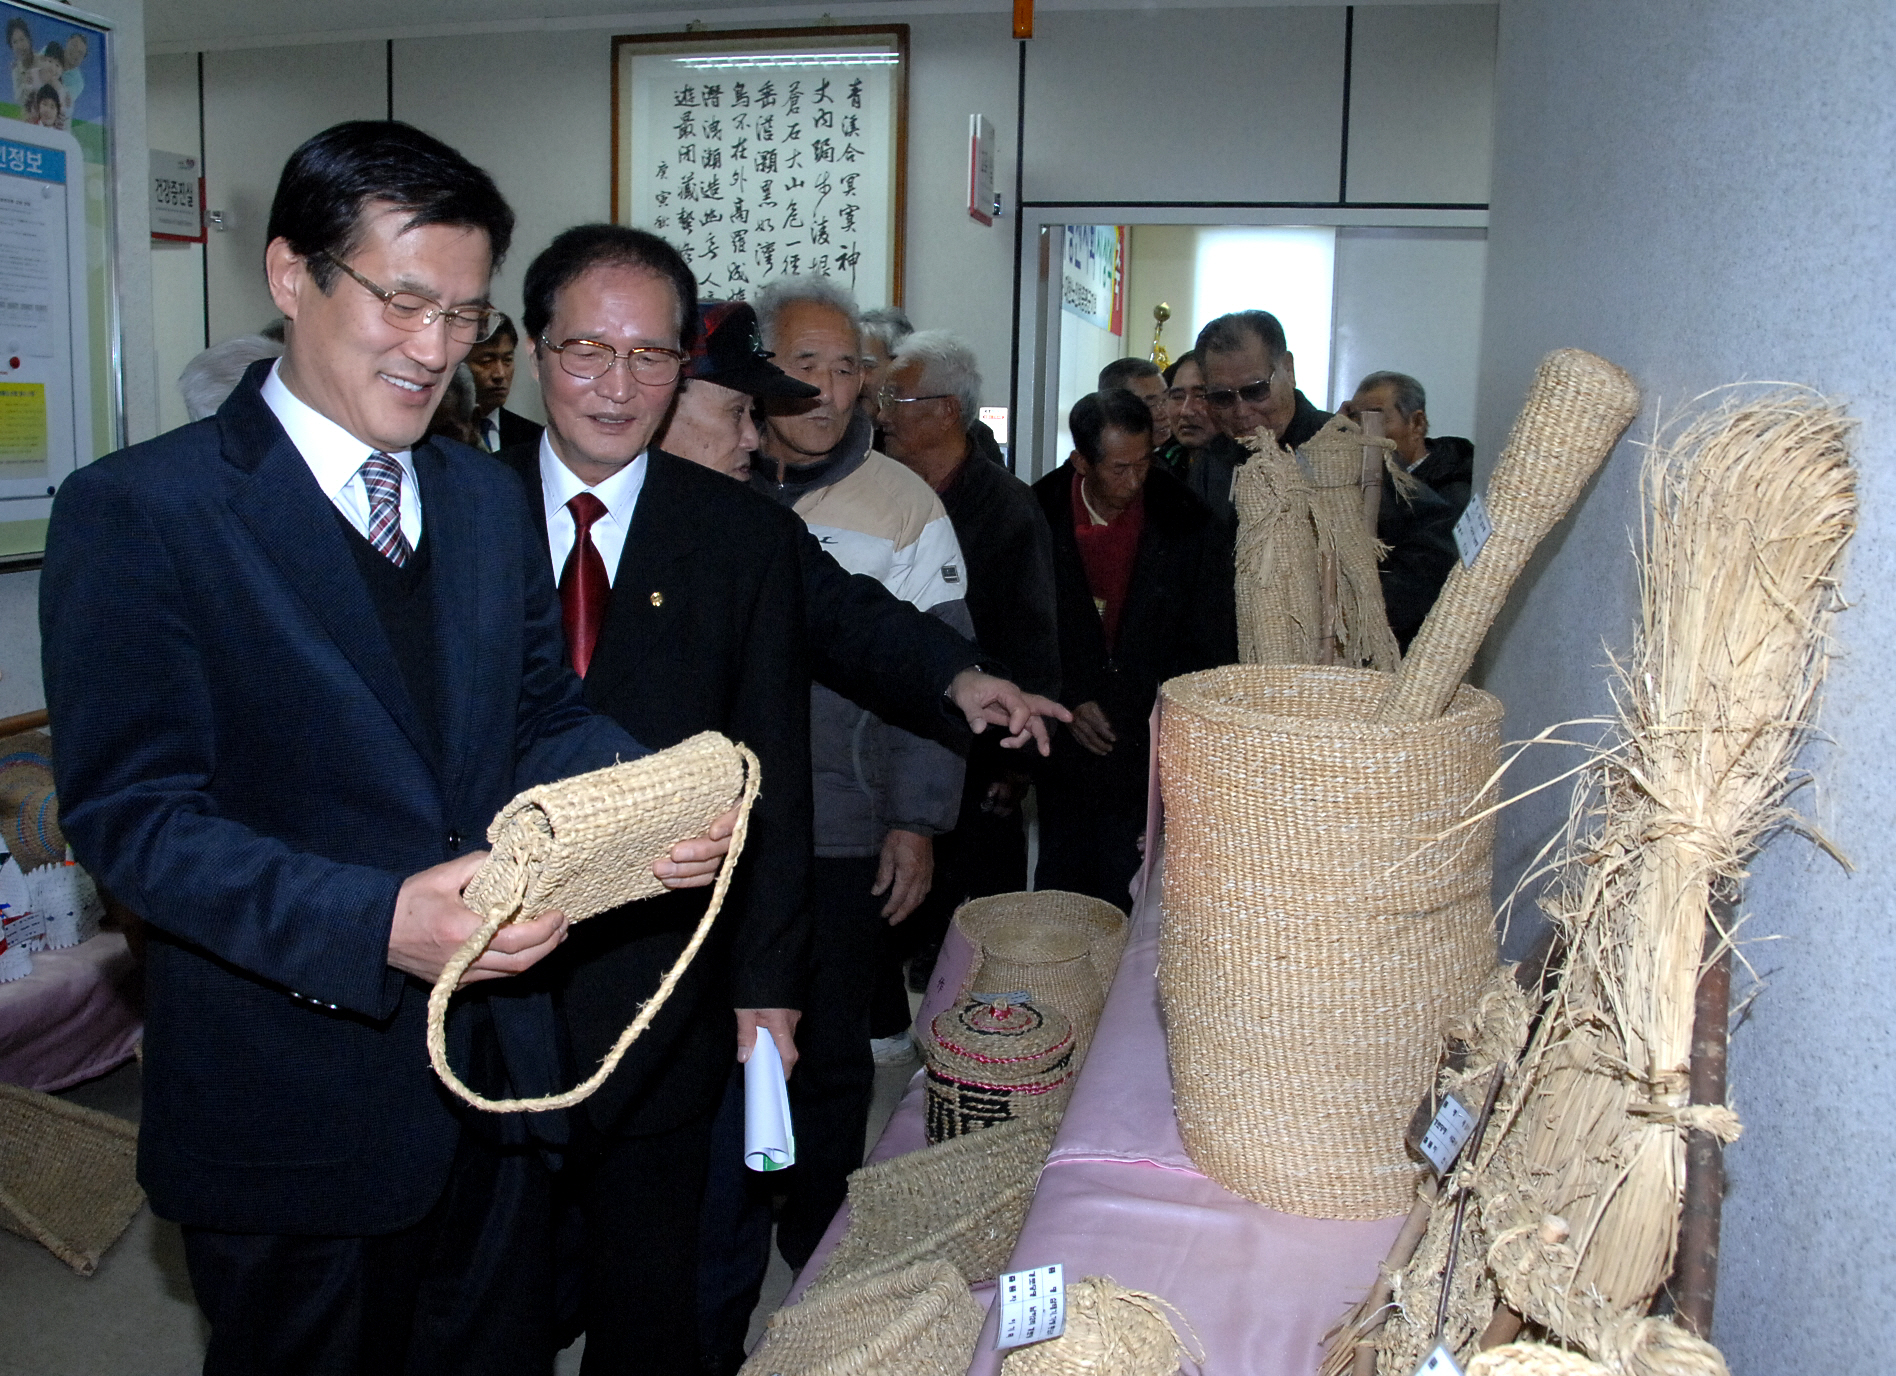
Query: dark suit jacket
point(240, 762)
point(516, 429)
point(1180, 614)
point(723, 650)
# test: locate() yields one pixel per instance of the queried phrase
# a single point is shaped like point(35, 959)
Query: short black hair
point(332, 178)
point(55, 50)
point(47, 92)
point(503, 329)
point(1121, 371)
point(1229, 333)
point(1171, 372)
point(1094, 413)
point(19, 25)
point(585, 247)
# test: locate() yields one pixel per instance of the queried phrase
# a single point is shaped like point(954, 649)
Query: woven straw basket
point(585, 845)
point(1104, 926)
point(1314, 938)
point(920, 1321)
point(67, 1175)
point(989, 1063)
point(960, 1202)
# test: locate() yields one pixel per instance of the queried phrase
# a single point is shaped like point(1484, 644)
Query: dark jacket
point(1179, 614)
point(704, 632)
point(1449, 468)
point(1419, 529)
point(1009, 554)
point(241, 762)
point(516, 429)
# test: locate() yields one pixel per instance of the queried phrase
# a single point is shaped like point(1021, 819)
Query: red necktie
point(584, 586)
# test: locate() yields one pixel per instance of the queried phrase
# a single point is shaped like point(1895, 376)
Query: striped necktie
point(382, 480)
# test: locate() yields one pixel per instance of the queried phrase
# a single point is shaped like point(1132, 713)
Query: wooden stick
point(1504, 1327)
point(1372, 423)
point(26, 721)
point(1575, 412)
point(1695, 1274)
point(1414, 1227)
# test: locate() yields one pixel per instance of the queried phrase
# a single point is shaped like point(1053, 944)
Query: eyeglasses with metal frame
point(1251, 394)
point(411, 311)
point(589, 359)
point(887, 397)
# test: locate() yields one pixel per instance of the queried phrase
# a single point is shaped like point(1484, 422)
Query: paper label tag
point(1440, 1362)
point(1472, 530)
point(1446, 1136)
point(1032, 1305)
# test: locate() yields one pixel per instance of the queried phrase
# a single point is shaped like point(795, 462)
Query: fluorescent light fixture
point(738, 61)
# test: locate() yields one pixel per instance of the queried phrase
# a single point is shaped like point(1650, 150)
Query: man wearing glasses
point(299, 656)
point(1250, 384)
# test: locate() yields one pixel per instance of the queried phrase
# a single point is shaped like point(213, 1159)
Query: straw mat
point(919, 1321)
point(1316, 935)
point(67, 1175)
point(586, 845)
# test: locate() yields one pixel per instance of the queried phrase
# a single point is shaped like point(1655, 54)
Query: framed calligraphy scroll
point(767, 153)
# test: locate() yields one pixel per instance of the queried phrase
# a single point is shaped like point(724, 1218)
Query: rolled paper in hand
point(770, 1140)
point(1576, 409)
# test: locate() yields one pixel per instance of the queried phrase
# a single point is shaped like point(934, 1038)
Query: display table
point(76, 1016)
point(1119, 1197)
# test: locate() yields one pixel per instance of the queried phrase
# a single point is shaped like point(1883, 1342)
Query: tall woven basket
point(1314, 938)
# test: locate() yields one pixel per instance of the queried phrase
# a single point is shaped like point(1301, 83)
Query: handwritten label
point(1440, 1362)
point(1472, 530)
point(1032, 1305)
point(1446, 1136)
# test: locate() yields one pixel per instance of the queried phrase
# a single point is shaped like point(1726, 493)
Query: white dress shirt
point(619, 494)
point(336, 458)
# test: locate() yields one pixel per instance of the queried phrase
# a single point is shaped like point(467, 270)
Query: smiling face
point(20, 40)
point(376, 380)
point(815, 344)
point(599, 425)
point(712, 425)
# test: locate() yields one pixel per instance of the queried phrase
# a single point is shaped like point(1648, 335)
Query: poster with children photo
point(56, 70)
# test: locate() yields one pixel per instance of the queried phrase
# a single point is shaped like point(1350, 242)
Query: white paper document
point(770, 1144)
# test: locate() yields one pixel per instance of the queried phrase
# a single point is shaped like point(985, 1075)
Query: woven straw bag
point(961, 1202)
point(1053, 968)
point(585, 845)
point(67, 1175)
point(991, 1062)
point(1315, 938)
point(919, 1321)
point(1104, 926)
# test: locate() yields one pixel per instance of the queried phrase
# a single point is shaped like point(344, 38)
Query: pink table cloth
point(74, 1017)
point(1119, 1196)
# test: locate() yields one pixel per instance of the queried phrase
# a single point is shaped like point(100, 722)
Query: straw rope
point(67, 1178)
point(919, 1321)
point(1309, 955)
point(1278, 597)
point(1334, 459)
point(586, 845)
point(962, 1202)
point(1575, 410)
point(1110, 1331)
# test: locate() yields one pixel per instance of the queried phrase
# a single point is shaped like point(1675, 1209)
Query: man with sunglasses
point(299, 656)
point(1250, 384)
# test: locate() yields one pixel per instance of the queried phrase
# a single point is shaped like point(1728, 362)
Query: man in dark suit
point(492, 363)
point(1144, 592)
point(299, 657)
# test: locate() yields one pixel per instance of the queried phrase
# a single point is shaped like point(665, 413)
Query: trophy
point(1160, 314)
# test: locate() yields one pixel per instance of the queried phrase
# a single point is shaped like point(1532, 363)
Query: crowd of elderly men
point(781, 519)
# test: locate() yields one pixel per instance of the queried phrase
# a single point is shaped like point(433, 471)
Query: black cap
point(730, 353)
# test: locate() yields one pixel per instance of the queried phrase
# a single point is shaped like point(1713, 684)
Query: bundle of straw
point(1579, 1184)
point(1347, 549)
point(1279, 601)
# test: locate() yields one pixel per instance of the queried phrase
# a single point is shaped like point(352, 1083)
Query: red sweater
point(1108, 553)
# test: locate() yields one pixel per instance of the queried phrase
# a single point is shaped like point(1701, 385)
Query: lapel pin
point(658, 599)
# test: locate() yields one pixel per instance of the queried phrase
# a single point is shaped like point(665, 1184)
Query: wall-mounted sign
point(981, 169)
point(177, 197)
point(1092, 275)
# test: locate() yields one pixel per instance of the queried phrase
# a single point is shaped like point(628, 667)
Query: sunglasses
point(1251, 394)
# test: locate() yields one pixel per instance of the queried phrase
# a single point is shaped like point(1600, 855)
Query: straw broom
point(1750, 510)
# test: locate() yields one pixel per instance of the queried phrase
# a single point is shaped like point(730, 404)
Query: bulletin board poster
point(57, 83)
point(767, 153)
point(1093, 275)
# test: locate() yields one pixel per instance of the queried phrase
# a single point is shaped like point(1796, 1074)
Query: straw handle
point(1575, 411)
point(471, 951)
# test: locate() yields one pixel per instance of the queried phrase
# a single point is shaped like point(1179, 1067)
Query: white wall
point(177, 270)
point(1701, 193)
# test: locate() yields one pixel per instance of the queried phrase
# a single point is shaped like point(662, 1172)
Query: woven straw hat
point(991, 1062)
point(919, 1321)
point(29, 808)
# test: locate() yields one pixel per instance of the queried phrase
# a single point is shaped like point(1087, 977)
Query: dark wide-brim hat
point(731, 353)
